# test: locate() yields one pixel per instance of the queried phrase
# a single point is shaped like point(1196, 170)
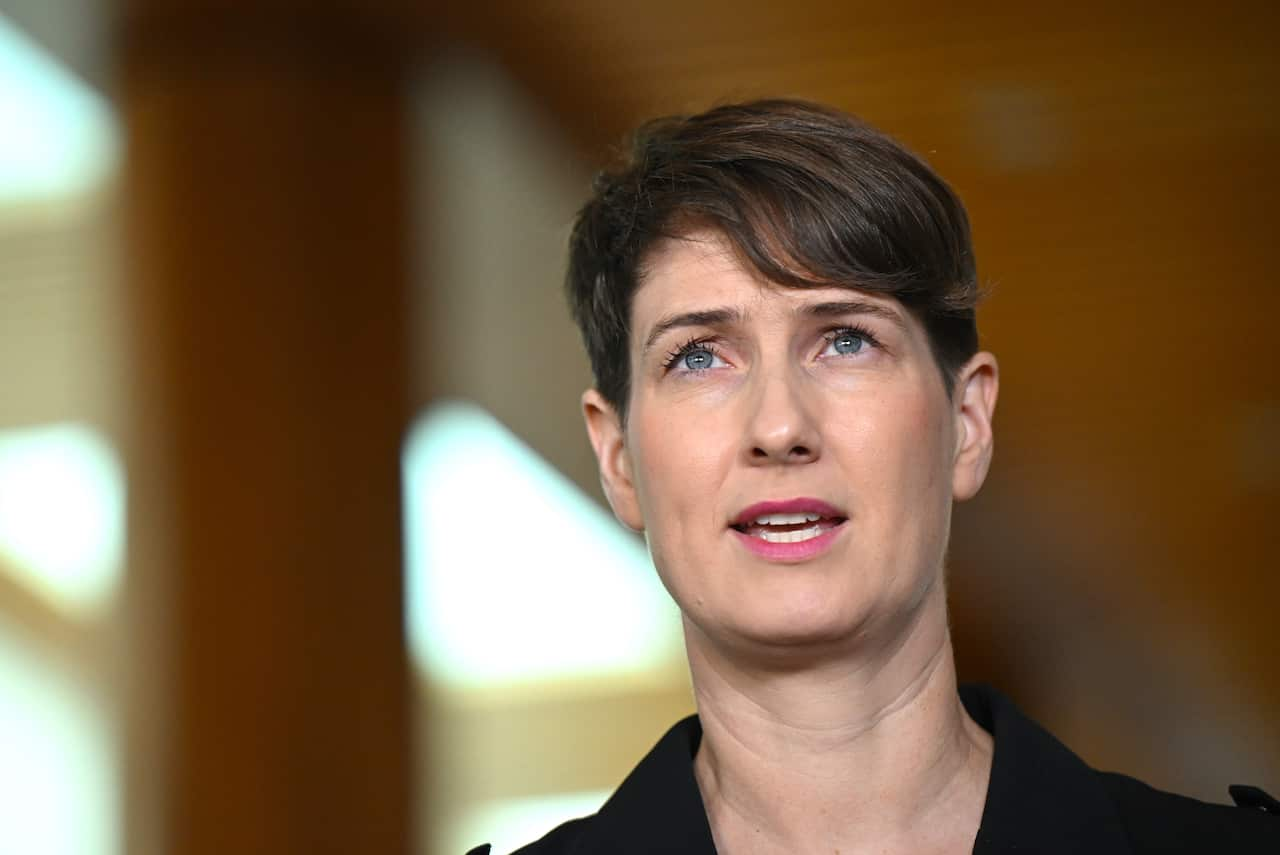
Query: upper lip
point(751, 513)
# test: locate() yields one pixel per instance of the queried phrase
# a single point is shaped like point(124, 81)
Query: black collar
point(1041, 798)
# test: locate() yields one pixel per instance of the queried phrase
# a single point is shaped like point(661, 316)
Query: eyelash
point(708, 344)
point(696, 343)
point(852, 329)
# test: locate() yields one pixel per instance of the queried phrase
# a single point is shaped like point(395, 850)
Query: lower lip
point(789, 552)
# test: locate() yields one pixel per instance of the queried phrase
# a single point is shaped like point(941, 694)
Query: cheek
point(675, 464)
point(900, 445)
point(679, 467)
point(928, 425)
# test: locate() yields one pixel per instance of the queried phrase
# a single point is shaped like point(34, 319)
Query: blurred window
point(501, 546)
point(62, 486)
point(59, 136)
point(62, 515)
point(497, 538)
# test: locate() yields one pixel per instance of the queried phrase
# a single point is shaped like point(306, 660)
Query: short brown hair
point(807, 194)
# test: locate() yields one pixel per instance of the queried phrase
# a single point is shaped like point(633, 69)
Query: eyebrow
point(705, 318)
point(852, 307)
point(721, 317)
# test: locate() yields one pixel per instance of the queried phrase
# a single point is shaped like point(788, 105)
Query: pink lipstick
point(788, 531)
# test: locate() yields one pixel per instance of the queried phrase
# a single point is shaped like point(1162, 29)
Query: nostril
point(796, 452)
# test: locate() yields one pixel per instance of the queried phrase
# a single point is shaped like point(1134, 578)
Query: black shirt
point(1041, 799)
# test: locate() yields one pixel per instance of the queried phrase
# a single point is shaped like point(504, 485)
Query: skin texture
point(826, 686)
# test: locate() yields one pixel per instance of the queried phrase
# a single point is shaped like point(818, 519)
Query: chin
point(793, 627)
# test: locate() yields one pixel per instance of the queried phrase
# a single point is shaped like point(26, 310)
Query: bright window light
point(57, 135)
point(513, 573)
point(59, 791)
point(62, 499)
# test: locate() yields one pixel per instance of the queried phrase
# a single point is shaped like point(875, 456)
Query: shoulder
point(1157, 821)
point(1041, 797)
point(561, 840)
point(661, 787)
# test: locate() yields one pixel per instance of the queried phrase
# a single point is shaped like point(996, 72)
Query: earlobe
point(976, 389)
point(607, 438)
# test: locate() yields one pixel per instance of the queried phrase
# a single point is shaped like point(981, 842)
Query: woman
point(778, 303)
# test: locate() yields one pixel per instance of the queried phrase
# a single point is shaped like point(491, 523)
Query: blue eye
point(847, 341)
point(693, 357)
point(698, 359)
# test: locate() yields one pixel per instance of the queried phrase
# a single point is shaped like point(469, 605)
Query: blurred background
point(302, 547)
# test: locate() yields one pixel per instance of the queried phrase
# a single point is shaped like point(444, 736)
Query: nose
point(780, 427)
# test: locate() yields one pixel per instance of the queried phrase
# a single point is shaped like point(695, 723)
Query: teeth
point(790, 536)
point(787, 519)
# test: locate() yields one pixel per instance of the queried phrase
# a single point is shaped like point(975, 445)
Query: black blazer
point(1041, 799)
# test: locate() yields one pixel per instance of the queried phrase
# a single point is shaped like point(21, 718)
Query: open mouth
point(788, 527)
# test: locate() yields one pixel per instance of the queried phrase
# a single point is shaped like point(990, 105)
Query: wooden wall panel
point(267, 235)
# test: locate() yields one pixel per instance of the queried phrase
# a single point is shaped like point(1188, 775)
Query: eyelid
point(712, 343)
point(708, 343)
point(830, 334)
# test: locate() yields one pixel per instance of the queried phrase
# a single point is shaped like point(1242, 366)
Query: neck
point(864, 752)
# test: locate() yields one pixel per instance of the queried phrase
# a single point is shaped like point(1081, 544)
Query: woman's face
point(791, 454)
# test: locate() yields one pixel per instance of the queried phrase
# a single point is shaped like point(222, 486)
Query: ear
point(605, 430)
point(974, 400)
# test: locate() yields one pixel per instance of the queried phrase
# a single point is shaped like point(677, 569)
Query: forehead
point(703, 270)
point(691, 265)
